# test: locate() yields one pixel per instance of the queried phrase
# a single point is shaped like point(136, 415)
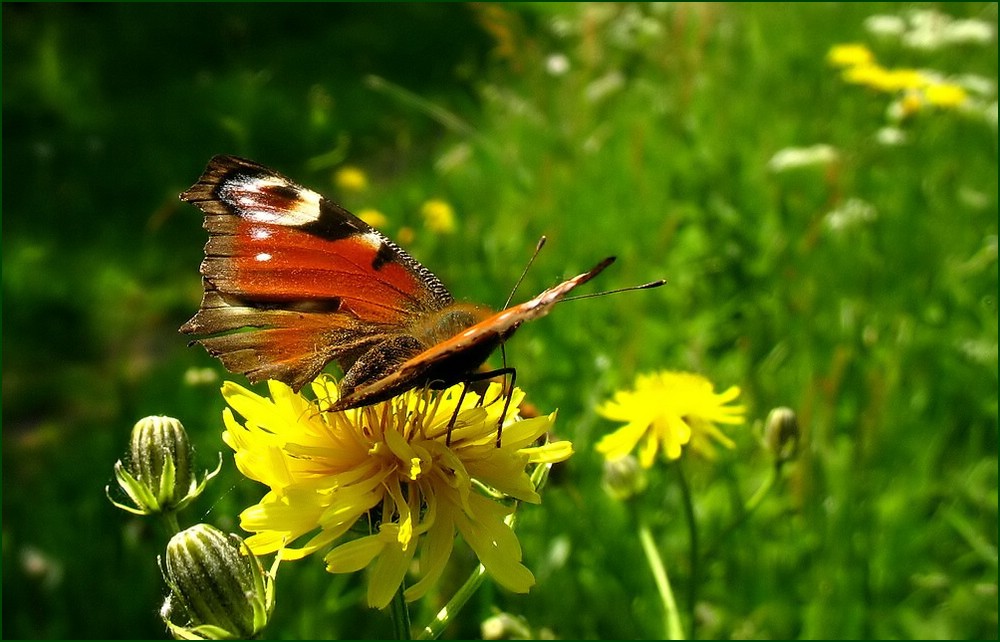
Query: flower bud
point(159, 475)
point(504, 626)
point(781, 434)
point(624, 477)
point(218, 589)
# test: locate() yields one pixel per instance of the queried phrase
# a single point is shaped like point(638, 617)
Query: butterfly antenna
point(538, 248)
point(645, 286)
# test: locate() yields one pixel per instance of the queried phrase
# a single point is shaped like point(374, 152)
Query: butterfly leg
point(378, 362)
point(507, 393)
point(454, 415)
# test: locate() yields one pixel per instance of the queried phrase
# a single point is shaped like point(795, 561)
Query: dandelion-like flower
point(394, 467)
point(350, 179)
point(850, 55)
point(669, 410)
point(373, 217)
point(439, 216)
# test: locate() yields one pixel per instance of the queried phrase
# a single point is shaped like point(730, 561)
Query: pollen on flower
point(389, 464)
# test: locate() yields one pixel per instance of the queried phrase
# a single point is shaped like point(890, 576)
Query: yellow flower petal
point(668, 410)
point(394, 461)
point(850, 55)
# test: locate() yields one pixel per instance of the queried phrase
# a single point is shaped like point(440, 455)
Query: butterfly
point(293, 281)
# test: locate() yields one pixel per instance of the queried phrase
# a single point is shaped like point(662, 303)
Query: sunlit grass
point(857, 286)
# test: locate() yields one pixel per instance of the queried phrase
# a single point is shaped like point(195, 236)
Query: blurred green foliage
point(860, 291)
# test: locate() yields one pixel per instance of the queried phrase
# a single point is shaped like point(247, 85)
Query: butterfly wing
point(449, 361)
point(306, 280)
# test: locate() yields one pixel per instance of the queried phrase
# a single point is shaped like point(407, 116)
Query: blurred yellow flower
point(868, 74)
point(439, 216)
point(350, 179)
point(390, 468)
point(910, 103)
point(850, 55)
point(901, 79)
point(406, 235)
point(885, 80)
point(945, 95)
point(669, 410)
point(373, 217)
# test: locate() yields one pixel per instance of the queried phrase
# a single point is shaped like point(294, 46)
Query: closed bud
point(624, 477)
point(781, 434)
point(158, 475)
point(504, 626)
point(218, 589)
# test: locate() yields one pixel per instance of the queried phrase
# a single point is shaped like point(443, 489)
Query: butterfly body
point(293, 281)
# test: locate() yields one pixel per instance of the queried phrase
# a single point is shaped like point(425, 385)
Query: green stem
point(765, 488)
point(749, 507)
point(692, 549)
point(672, 619)
point(437, 626)
point(400, 615)
point(170, 519)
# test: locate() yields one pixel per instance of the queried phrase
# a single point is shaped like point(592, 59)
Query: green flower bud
point(218, 589)
point(504, 626)
point(159, 475)
point(781, 434)
point(624, 477)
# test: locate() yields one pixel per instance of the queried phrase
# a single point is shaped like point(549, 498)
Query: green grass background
point(653, 146)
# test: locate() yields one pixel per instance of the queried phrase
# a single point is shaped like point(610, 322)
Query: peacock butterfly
point(293, 281)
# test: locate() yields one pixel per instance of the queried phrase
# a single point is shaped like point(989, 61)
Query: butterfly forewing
point(312, 282)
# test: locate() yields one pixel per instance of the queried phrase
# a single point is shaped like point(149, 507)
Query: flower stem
point(436, 627)
point(672, 619)
point(170, 519)
point(400, 615)
point(692, 548)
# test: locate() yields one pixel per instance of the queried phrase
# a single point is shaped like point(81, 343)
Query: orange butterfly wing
point(306, 280)
point(464, 351)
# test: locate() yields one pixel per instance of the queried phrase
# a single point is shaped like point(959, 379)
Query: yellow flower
point(669, 410)
point(871, 75)
point(908, 104)
point(405, 235)
point(438, 216)
point(885, 80)
point(900, 80)
point(350, 179)
point(373, 217)
point(945, 95)
point(391, 466)
point(850, 55)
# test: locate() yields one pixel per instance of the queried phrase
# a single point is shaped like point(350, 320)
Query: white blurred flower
point(930, 29)
point(852, 212)
point(795, 157)
point(604, 86)
point(885, 26)
point(557, 64)
point(890, 136)
point(969, 31)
